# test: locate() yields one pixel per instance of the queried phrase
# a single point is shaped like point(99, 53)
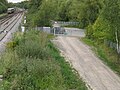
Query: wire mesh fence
point(112, 45)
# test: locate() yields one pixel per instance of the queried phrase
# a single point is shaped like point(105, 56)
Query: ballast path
point(11, 28)
point(97, 75)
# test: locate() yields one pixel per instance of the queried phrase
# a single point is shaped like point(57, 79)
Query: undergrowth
point(31, 62)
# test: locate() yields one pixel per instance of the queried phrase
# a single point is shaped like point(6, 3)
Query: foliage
point(46, 11)
point(89, 32)
point(85, 12)
point(3, 6)
point(35, 64)
point(107, 26)
point(23, 4)
point(100, 30)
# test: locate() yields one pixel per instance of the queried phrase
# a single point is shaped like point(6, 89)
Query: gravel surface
point(8, 37)
point(96, 74)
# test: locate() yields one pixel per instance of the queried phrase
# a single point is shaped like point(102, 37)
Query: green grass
point(106, 54)
point(2, 15)
point(31, 62)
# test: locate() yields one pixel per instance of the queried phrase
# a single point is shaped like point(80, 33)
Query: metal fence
point(44, 29)
point(63, 31)
point(52, 30)
point(111, 44)
point(63, 23)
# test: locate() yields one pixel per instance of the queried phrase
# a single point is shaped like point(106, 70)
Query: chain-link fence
point(52, 30)
point(63, 23)
point(111, 44)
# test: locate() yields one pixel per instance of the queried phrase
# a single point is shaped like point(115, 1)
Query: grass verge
point(31, 62)
point(2, 15)
point(106, 54)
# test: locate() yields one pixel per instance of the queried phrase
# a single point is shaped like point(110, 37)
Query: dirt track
point(97, 75)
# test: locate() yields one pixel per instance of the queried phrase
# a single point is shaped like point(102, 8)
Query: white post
point(1, 77)
point(54, 30)
point(24, 21)
point(117, 40)
point(23, 29)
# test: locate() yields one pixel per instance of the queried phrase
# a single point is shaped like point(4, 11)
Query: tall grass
point(33, 63)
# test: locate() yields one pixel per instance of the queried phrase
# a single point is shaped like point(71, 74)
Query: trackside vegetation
point(31, 62)
point(3, 6)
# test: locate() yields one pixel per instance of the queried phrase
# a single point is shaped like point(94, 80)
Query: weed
point(35, 64)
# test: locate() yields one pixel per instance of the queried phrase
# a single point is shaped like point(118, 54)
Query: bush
point(89, 32)
point(34, 64)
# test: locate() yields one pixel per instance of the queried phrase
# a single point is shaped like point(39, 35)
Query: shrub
point(34, 64)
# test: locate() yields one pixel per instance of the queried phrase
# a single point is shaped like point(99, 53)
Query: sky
point(15, 1)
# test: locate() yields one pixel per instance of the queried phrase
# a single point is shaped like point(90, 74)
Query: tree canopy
point(3, 6)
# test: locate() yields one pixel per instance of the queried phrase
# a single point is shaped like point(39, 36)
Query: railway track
point(10, 24)
point(9, 16)
point(6, 18)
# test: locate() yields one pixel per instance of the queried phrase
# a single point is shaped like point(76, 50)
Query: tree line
point(84, 11)
point(3, 6)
